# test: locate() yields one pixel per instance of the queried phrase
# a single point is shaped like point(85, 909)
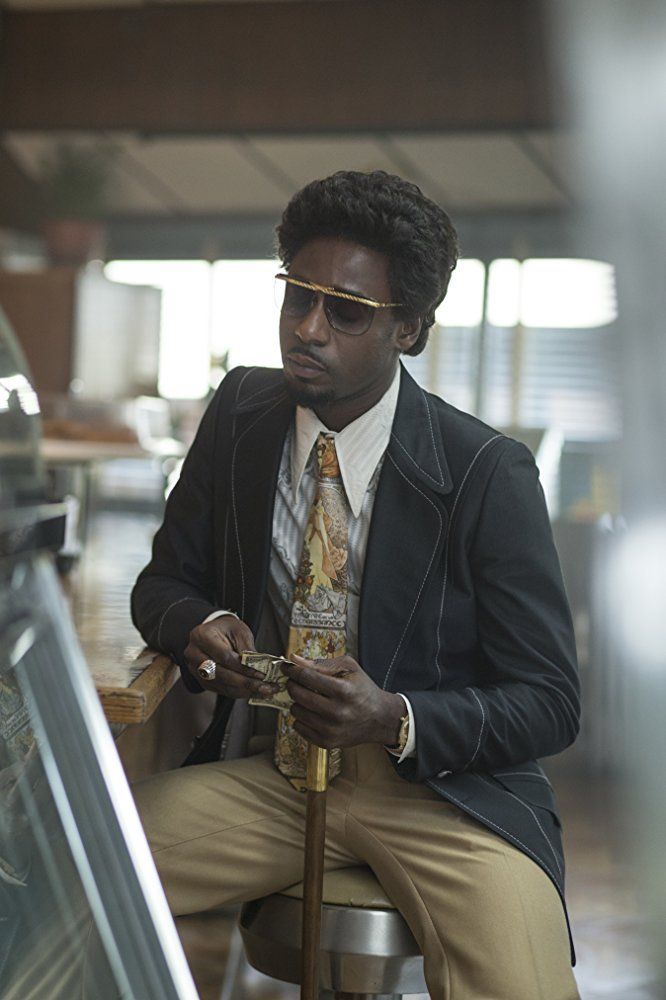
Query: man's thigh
point(489, 921)
point(226, 832)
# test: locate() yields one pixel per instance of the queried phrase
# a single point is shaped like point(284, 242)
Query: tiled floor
point(608, 925)
point(605, 911)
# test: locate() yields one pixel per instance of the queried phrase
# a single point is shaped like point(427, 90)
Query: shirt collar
point(359, 446)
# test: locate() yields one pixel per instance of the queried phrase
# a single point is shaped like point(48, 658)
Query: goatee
point(308, 396)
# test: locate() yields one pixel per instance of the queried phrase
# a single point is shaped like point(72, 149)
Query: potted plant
point(75, 182)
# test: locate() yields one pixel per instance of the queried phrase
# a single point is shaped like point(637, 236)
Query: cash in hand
point(269, 666)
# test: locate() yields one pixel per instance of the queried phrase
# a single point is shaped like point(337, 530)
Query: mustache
point(305, 352)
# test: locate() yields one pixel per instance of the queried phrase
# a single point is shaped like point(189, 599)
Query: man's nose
point(313, 328)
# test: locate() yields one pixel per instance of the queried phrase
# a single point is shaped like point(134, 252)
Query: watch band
point(403, 735)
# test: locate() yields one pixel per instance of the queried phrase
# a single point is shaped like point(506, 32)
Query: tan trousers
point(489, 921)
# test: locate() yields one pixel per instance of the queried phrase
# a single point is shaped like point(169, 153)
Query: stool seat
point(355, 886)
point(366, 946)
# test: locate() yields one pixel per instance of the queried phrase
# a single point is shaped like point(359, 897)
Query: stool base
point(364, 952)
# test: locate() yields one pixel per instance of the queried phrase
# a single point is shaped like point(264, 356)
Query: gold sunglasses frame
point(326, 290)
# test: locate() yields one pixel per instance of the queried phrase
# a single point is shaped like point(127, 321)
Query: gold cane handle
point(317, 769)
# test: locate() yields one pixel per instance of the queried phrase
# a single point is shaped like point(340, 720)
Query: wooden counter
point(130, 679)
point(148, 678)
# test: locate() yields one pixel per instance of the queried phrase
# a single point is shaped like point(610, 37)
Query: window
point(448, 365)
point(244, 314)
point(543, 356)
point(207, 311)
point(185, 320)
point(550, 350)
point(546, 357)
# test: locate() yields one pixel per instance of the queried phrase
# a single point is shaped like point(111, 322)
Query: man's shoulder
point(439, 443)
point(249, 386)
point(460, 425)
point(464, 436)
point(469, 444)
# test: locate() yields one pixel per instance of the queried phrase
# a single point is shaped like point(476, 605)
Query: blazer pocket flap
point(530, 788)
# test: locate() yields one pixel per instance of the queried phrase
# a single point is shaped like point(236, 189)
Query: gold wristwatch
point(403, 735)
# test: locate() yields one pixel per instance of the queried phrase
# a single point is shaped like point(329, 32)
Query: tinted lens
point(347, 316)
point(294, 300)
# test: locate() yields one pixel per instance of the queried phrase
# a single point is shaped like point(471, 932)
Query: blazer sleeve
point(528, 705)
point(176, 591)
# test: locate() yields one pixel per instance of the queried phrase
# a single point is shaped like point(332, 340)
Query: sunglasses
point(346, 313)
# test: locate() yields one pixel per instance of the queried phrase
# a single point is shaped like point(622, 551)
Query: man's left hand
point(336, 704)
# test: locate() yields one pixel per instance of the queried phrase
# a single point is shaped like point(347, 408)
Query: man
point(407, 545)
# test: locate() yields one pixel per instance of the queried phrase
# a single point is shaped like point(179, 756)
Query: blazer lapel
point(260, 427)
point(407, 533)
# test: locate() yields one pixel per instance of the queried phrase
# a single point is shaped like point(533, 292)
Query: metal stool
point(367, 949)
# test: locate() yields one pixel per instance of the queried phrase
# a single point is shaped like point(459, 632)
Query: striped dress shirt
point(360, 448)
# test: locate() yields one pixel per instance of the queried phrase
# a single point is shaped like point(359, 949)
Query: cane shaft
point(315, 835)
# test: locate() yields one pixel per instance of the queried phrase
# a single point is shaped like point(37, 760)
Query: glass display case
point(82, 912)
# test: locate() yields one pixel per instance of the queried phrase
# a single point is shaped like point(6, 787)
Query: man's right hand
point(222, 640)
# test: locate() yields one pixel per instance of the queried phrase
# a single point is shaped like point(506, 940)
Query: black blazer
point(462, 607)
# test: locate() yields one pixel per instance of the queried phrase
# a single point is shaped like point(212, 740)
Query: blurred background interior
point(146, 153)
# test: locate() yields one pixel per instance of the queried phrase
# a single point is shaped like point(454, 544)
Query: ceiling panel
point(256, 175)
point(481, 171)
point(563, 150)
point(208, 175)
point(129, 191)
point(175, 175)
point(28, 148)
point(303, 158)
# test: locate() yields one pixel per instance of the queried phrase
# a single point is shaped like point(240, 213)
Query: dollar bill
point(269, 666)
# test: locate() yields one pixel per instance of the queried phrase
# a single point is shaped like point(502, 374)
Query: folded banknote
point(269, 666)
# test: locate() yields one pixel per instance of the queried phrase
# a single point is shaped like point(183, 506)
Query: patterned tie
point(319, 612)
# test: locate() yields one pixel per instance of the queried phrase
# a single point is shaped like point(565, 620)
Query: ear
point(408, 332)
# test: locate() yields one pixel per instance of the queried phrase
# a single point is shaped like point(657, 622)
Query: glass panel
point(81, 909)
point(44, 912)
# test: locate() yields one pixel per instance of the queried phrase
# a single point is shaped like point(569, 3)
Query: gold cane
point(315, 835)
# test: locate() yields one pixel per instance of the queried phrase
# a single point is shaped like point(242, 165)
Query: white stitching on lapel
point(413, 461)
point(240, 384)
point(226, 521)
point(258, 392)
point(439, 535)
point(469, 469)
point(432, 434)
point(446, 550)
point(233, 496)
